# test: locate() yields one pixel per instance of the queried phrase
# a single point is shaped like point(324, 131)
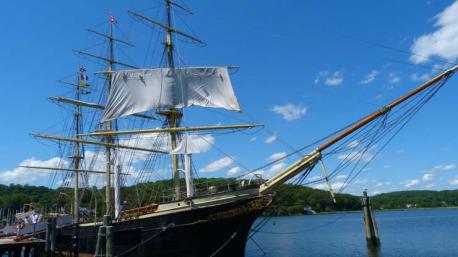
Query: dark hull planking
point(220, 229)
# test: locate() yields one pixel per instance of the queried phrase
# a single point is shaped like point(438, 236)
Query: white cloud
point(411, 183)
point(370, 77)
point(270, 139)
point(320, 75)
point(453, 182)
point(341, 177)
point(353, 144)
point(218, 165)
point(21, 175)
point(361, 181)
point(442, 167)
point(276, 156)
point(449, 167)
point(379, 96)
point(443, 42)
point(314, 178)
point(393, 78)
point(335, 79)
point(277, 167)
point(387, 166)
point(253, 139)
point(336, 186)
point(355, 156)
point(428, 177)
point(429, 186)
point(290, 112)
point(234, 171)
point(330, 79)
point(420, 77)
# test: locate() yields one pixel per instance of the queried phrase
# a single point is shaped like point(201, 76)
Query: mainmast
point(108, 124)
point(173, 115)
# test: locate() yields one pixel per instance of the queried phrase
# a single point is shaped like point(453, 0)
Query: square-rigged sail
point(135, 91)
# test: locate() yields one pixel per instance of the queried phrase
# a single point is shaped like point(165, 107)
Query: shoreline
point(356, 211)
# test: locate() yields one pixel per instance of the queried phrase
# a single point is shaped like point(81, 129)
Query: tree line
point(289, 199)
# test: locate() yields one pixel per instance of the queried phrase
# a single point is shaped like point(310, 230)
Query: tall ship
point(137, 125)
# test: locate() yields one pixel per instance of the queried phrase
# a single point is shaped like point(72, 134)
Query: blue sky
point(308, 68)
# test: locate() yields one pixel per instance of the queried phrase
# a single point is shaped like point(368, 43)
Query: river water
point(419, 233)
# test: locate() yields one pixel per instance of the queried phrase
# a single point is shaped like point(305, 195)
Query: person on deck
point(36, 217)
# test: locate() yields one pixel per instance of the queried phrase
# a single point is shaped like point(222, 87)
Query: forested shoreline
point(289, 200)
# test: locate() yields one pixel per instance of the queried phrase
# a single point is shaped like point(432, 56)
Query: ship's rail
point(209, 188)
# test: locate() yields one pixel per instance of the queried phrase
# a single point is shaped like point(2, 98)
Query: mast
point(108, 124)
point(173, 115)
point(77, 157)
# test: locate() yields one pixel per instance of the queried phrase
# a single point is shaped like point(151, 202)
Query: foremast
point(315, 156)
point(81, 78)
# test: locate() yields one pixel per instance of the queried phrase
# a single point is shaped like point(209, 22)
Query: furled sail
point(135, 91)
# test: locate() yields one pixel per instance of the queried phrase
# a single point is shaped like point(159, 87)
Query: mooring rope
point(225, 243)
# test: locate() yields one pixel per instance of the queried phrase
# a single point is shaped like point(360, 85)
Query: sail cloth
point(135, 91)
point(186, 146)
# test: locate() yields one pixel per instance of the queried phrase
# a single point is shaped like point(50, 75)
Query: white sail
point(135, 91)
point(187, 147)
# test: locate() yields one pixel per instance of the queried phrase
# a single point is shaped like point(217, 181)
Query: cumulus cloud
point(353, 143)
point(443, 42)
point(370, 77)
point(277, 167)
point(24, 175)
point(442, 167)
point(411, 183)
point(270, 139)
point(276, 156)
point(393, 78)
point(290, 112)
point(420, 77)
point(234, 171)
point(335, 79)
point(428, 177)
point(218, 165)
point(330, 78)
point(453, 182)
point(342, 177)
point(355, 156)
point(336, 186)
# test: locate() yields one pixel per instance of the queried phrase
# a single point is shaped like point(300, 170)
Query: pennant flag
point(83, 77)
point(113, 19)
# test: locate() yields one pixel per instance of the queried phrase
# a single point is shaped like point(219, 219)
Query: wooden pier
point(25, 247)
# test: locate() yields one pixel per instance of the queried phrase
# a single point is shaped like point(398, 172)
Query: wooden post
point(50, 245)
point(48, 238)
point(104, 235)
point(108, 236)
point(370, 224)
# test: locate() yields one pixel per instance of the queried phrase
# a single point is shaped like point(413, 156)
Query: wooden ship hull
point(205, 229)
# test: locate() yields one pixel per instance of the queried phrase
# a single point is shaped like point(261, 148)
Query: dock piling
point(370, 224)
point(50, 245)
point(104, 237)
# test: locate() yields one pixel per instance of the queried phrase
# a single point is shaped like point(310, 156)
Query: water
point(419, 233)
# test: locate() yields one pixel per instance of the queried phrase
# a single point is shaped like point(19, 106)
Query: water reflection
point(373, 251)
